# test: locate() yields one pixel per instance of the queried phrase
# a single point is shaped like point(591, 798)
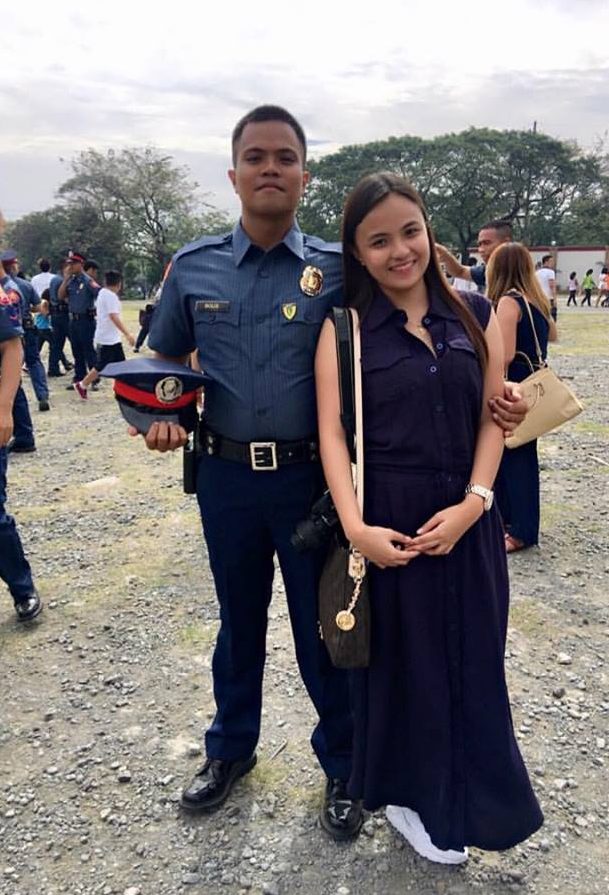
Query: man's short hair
point(546, 258)
point(112, 277)
point(90, 263)
point(503, 228)
point(268, 113)
point(44, 264)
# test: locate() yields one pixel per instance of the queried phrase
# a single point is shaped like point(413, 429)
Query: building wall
point(577, 258)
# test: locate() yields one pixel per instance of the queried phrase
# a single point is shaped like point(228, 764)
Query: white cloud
point(114, 73)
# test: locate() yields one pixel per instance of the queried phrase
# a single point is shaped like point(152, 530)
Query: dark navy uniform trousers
point(23, 428)
point(61, 325)
point(14, 567)
point(247, 517)
point(82, 331)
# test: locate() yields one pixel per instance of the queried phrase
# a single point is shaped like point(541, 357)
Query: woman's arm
point(375, 543)
point(508, 317)
point(440, 533)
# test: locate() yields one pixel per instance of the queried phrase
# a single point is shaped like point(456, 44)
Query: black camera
point(315, 530)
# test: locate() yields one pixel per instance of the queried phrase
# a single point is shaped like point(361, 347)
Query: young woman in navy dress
point(511, 285)
point(434, 741)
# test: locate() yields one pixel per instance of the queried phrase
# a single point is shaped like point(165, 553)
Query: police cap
point(8, 256)
point(151, 390)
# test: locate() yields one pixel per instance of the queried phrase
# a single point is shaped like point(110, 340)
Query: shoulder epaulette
point(202, 243)
point(314, 242)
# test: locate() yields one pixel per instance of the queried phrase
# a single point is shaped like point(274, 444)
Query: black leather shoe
point(211, 785)
point(13, 447)
point(340, 816)
point(29, 608)
point(44, 405)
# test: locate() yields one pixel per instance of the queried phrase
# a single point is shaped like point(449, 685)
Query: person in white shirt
point(547, 280)
point(108, 330)
point(41, 281)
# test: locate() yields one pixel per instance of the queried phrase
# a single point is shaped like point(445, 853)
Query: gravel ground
point(106, 696)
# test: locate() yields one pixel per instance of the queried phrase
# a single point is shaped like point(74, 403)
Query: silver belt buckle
point(263, 456)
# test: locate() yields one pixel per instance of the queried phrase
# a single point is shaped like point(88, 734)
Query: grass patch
point(552, 514)
point(526, 618)
point(199, 634)
point(588, 427)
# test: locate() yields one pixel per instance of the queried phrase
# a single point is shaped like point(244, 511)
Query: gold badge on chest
point(311, 281)
point(289, 310)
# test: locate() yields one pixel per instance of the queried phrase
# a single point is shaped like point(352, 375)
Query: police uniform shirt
point(54, 300)
point(478, 275)
point(82, 292)
point(10, 310)
point(255, 328)
point(29, 300)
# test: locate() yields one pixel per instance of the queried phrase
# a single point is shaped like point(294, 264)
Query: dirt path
point(105, 699)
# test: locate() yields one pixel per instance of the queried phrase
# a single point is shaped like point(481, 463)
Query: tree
point(148, 198)
point(129, 210)
point(52, 233)
point(465, 179)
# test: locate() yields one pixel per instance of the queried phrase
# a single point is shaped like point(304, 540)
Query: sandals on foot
point(512, 544)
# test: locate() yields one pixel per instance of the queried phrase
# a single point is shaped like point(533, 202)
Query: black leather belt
point(262, 456)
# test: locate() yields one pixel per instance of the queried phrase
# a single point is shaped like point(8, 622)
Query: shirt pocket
point(298, 334)
point(464, 364)
point(218, 338)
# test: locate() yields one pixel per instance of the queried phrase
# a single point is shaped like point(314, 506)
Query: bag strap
point(344, 353)
point(348, 352)
point(359, 419)
point(540, 360)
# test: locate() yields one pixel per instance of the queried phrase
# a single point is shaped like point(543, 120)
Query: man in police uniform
point(253, 302)
point(60, 324)
point(31, 350)
point(80, 291)
point(14, 568)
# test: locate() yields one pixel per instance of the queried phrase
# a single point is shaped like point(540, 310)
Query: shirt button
point(440, 346)
point(263, 273)
point(426, 320)
point(259, 318)
point(433, 369)
point(262, 411)
point(439, 408)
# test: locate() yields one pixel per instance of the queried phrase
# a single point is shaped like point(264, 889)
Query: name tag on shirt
point(218, 307)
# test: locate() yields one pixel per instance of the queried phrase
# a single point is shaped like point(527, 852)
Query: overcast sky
point(112, 74)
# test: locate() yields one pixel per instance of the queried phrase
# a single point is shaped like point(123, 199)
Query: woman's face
point(392, 243)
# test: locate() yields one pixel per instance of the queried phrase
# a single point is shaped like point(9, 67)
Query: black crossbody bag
point(344, 602)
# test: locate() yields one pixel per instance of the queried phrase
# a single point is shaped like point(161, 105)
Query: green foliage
point(539, 183)
point(130, 209)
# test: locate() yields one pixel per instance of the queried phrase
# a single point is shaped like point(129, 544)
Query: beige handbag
point(551, 401)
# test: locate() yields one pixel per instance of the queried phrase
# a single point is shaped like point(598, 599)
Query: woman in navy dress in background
point(434, 741)
point(511, 285)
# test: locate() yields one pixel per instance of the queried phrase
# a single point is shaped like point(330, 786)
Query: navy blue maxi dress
point(433, 728)
point(517, 486)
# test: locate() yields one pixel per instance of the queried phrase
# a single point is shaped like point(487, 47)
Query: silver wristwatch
point(485, 493)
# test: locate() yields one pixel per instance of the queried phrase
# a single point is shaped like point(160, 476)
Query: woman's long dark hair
point(360, 287)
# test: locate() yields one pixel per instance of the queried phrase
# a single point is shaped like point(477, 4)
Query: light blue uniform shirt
point(254, 327)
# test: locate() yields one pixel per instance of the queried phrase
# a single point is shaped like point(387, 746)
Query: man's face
point(12, 267)
point(74, 268)
point(488, 240)
point(269, 175)
point(549, 262)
